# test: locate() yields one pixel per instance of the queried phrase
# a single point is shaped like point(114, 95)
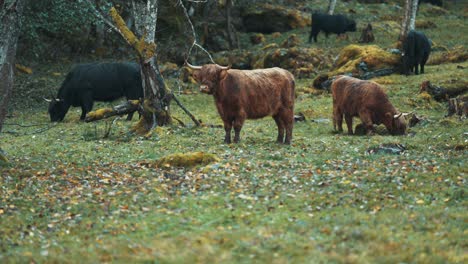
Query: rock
point(267, 18)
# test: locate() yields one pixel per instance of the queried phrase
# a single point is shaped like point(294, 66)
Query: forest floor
point(72, 194)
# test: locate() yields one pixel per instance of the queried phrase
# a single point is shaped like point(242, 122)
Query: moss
point(301, 61)
point(186, 160)
point(276, 35)
point(145, 50)
point(98, 114)
point(23, 69)
point(374, 57)
point(424, 24)
point(291, 41)
point(456, 54)
point(257, 38)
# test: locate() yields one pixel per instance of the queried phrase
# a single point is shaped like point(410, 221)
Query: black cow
point(337, 24)
point(87, 83)
point(416, 50)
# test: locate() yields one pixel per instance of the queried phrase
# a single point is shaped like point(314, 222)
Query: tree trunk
point(156, 107)
point(409, 19)
point(331, 7)
point(229, 27)
point(10, 14)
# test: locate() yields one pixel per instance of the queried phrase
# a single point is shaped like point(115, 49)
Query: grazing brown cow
point(249, 94)
point(366, 100)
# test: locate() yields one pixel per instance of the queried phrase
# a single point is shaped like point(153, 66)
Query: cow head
point(57, 109)
point(209, 76)
point(396, 123)
point(351, 25)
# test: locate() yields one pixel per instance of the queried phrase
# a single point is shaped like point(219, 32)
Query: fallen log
point(440, 93)
point(128, 107)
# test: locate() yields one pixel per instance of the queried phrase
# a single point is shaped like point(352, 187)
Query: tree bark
point(331, 6)
point(409, 19)
point(10, 14)
point(156, 106)
point(229, 27)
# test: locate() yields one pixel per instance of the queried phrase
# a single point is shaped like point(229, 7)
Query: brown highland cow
point(364, 99)
point(249, 94)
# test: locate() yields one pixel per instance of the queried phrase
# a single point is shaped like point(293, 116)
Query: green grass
point(68, 195)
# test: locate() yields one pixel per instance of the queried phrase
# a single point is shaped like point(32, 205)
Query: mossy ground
point(68, 195)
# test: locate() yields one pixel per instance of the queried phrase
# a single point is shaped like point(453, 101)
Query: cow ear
point(223, 74)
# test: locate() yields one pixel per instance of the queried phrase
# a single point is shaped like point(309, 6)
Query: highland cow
point(249, 94)
point(364, 99)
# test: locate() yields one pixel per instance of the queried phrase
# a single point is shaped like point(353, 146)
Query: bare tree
point(409, 19)
point(10, 14)
point(331, 7)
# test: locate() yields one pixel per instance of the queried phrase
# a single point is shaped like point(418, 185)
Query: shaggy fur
point(364, 99)
point(250, 94)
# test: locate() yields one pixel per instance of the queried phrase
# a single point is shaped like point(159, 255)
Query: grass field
point(69, 195)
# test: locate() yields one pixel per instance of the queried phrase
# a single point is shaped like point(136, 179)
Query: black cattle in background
point(416, 50)
point(87, 83)
point(337, 24)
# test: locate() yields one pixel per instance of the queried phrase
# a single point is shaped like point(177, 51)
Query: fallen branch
point(197, 123)
point(128, 107)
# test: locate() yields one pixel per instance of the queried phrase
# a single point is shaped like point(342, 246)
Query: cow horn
point(407, 114)
point(397, 116)
point(47, 100)
point(192, 67)
point(225, 67)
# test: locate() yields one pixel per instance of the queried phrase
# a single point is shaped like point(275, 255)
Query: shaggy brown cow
point(249, 94)
point(366, 100)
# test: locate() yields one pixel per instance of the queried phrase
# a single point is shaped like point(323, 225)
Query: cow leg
point(349, 123)
point(288, 121)
point(86, 108)
point(238, 123)
point(313, 33)
point(365, 117)
point(337, 120)
point(281, 128)
point(86, 104)
point(227, 129)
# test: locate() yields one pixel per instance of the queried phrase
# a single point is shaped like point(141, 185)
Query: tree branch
point(194, 35)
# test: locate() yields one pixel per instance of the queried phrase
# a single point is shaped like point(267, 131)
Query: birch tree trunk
point(10, 13)
point(156, 110)
point(331, 6)
point(409, 19)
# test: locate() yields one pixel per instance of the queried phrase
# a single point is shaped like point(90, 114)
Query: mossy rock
point(238, 59)
point(373, 56)
point(291, 41)
point(425, 24)
point(456, 54)
point(269, 18)
point(186, 160)
point(301, 61)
